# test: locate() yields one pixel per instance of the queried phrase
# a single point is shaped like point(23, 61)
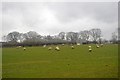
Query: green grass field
point(39, 62)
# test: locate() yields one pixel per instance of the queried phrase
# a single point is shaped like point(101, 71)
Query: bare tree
point(25, 36)
point(95, 34)
point(85, 35)
point(31, 35)
point(21, 37)
point(13, 36)
point(48, 37)
point(62, 35)
point(4, 38)
point(72, 36)
point(114, 37)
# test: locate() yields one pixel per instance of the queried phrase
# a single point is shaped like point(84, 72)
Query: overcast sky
point(54, 17)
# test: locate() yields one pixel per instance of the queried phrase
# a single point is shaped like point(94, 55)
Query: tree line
point(32, 38)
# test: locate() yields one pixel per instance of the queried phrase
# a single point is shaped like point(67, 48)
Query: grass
point(39, 62)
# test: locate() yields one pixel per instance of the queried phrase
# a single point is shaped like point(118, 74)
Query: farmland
point(39, 62)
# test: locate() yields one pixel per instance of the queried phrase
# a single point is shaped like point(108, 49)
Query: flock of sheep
point(72, 47)
point(97, 46)
point(57, 48)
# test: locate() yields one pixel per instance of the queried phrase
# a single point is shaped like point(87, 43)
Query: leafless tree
point(13, 36)
point(4, 38)
point(114, 37)
point(95, 34)
point(72, 36)
point(85, 35)
point(62, 35)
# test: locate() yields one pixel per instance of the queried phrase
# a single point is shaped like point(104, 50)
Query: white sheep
point(97, 45)
point(24, 48)
point(18, 47)
point(101, 45)
point(78, 44)
point(44, 46)
point(89, 46)
point(72, 47)
point(90, 50)
point(50, 48)
point(63, 44)
point(57, 48)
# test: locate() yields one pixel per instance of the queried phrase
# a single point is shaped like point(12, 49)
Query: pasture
point(39, 62)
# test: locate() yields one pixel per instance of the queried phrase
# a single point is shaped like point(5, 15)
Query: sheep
point(44, 46)
point(89, 46)
point(63, 44)
point(57, 48)
point(78, 44)
point(24, 48)
point(72, 47)
point(97, 45)
point(18, 47)
point(50, 48)
point(101, 45)
point(90, 50)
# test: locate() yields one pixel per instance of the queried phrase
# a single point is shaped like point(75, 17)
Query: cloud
point(54, 17)
point(103, 11)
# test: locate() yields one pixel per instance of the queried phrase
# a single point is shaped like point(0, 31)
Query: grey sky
point(54, 17)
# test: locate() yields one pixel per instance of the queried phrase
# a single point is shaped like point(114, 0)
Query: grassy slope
point(38, 62)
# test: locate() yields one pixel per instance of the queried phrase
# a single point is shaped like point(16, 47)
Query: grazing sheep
point(89, 46)
point(90, 50)
point(63, 44)
point(18, 47)
point(50, 48)
point(24, 48)
point(57, 48)
point(78, 44)
point(72, 47)
point(97, 45)
point(101, 45)
point(44, 46)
